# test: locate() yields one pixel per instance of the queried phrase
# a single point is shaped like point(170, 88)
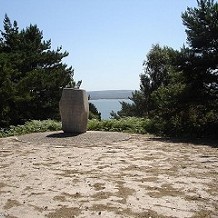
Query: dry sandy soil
point(99, 174)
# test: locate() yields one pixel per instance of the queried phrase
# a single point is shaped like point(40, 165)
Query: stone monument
point(74, 110)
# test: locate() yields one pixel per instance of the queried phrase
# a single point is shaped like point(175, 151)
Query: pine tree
point(188, 104)
point(199, 64)
point(199, 61)
point(32, 73)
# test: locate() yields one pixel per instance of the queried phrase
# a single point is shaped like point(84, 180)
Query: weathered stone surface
point(74, 110)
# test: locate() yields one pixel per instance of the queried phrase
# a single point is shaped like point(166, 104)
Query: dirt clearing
point(102, 174)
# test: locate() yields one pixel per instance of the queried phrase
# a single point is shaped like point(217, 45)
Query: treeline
point(179, 88)
point(32, 75)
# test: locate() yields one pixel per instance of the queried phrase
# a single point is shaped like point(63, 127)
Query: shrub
point(30, 127)
point(128, 124)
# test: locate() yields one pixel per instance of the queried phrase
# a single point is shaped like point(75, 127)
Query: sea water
point(105, 106)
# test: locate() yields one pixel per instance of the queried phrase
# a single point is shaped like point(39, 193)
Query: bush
point(128, 124)
point(30, 127)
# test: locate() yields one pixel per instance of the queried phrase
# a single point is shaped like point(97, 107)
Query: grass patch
point(129, 124)
point(31, 127)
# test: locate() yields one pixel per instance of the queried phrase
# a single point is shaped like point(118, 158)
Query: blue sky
point(107, 40)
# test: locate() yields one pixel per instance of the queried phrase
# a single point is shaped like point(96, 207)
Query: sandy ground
point(99, 174)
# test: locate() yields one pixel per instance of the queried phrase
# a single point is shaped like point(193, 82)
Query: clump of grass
point(128, 124)
point(31, 127)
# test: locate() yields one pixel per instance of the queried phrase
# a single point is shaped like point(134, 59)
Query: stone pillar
point(74, 110)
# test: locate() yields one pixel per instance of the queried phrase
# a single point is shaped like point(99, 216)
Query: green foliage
point(199, 65)
point(128, 124)
point(201, 26)
point(93, 112)
point(178, 93)
point(157, 71)
point(32, 75)
point(31, 127)
point(179, 89)
point(199, 62)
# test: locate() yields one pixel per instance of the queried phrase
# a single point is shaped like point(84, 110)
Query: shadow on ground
point(63, 135)
point(198, 141)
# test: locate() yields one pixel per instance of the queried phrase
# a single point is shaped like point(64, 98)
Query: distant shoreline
point(107, 98)
point(110, 94)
